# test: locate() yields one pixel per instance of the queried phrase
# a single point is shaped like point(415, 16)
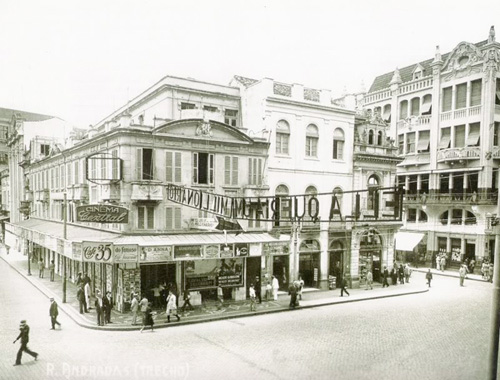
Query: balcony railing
point(147, 191)
point(467, 198)
point(415, 121)
point(461, 113)
point(458, 154)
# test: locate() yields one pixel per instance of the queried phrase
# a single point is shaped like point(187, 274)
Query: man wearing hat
point(24, 335)
point(54, 312)
point(99, 308)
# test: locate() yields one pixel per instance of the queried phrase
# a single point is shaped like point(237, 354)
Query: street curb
point(439, 273)
point(74, 316)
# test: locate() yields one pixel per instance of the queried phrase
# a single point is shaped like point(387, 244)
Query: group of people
point(144, 308)
point(487, 271)
point(441, 262)
point(41, 269)
point(103, 302)
point(401, 272)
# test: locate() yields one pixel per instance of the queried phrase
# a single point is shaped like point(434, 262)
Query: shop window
point(312, 137)
point(282, 137)
point(338, 144)
point(203, 168)
point(145, 217)
point(231, 117)
point(144, 164)
point(230, 170)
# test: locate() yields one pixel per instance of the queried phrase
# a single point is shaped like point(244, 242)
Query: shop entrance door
point(308, 264)
point(153, 275)
point(280, 270)
point(470, 251)
point(253, 271)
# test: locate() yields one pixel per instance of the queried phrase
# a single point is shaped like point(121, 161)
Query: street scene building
point(444, 114)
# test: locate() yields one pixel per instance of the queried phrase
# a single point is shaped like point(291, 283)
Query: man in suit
point(54, 312)
point(99, 308)
point(80, 295)
point(24, 335)
point(107, 303)
point(385, 276)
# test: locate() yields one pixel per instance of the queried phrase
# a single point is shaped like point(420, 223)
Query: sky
point(81, 60)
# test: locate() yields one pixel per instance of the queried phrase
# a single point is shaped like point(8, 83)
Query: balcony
point(461, 113)
point(459, 154)
point(253, 191)
point(414, 121)
point(447, 199)
point(147, 191)
point(79, 192)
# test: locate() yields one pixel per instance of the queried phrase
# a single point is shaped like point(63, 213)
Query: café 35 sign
point(97, 252)
point(102, 214)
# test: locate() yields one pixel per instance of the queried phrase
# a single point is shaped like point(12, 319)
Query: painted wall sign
point(278, 248)
point(98, 252)
point(156, 253)
point(102, 214)
point(127, 253)
point(203, 223)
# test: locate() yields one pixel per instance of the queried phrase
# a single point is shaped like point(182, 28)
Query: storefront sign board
point(102, 214)
point(211, 251)
point(276, 248)
point(127, 253)
point(156, 253)
point(187, 252)
point(97, 252)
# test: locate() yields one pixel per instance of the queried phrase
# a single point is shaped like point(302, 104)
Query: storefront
point(278, 257)
point(370, 254)
point(309, 262)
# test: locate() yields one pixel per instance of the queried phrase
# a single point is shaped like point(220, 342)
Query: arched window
point(415, 107)
point(283, 207)
point(338, 144)
point(470, 218)
point(282, 137)
point(310, 245)
point(373, 182)
point(403, 110)
point(312, 137)
point(380, 138)
point(370, 137)
point(427, 105)
point(310, 192)
point(387, 113)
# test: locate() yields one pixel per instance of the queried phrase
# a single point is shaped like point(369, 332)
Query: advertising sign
point(102, 214)
point(241, 249)
point(276, 248)
point(182, 252)
point(226, 251)
point(77, 251)
point(127, 253)
point(211, 252)
point(97, 252)
point(156, 253)
point(203, 223)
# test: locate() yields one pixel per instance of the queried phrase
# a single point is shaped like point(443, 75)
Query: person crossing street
point(24, 335)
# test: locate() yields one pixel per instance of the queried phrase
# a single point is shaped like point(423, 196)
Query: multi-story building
point(444, 115)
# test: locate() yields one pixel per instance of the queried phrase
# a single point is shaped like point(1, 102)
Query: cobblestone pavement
point(440, 334)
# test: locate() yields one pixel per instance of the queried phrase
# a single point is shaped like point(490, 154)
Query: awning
point(419, 159)
point(472, 139)
point(426, 108)
point(444, 143)
point(407, 241)
point(423, 143)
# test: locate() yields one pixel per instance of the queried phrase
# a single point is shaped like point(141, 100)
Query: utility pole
point(65, 237)
point(495, 304)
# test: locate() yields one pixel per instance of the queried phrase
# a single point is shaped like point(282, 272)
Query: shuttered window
point(459, 136)
point(475, 92)
point(444, 142)
point(410, 142)
point(255, 171)
point(447, 92)
point(423, 141)
point(403, 110)
point(145, 217)
point(173, 219)
point(173, 166)
point(461, 96)
point(473, 136)
point(415, 107)
point(230, 170)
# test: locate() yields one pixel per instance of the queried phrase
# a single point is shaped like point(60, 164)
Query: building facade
point(444, 115)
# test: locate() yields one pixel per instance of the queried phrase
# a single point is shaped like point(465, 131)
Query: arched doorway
point(309, 262)
point(336, 259)
point(370, 254)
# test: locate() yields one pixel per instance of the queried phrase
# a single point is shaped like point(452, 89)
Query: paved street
point(439, 334)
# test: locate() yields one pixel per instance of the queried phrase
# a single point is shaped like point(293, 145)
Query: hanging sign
point(98, 252)
point(102, 214)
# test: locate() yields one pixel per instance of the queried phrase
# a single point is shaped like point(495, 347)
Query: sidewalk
point(449, 273)
point(205, 313)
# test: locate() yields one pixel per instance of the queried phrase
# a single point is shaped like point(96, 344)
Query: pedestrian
point(134, 307)
point(172, 305)
point(86, 289)
point(442, 263)
point(143, 305)
point(462, 273)
point(156, 296)
point(276, 286)
point(438, 260)
point(79, 279)
point(258, 289)
point(220, 297)
point(299, 289)
point(343, 284)
point(108, 304)
point(472, 264)
point(187, 300)
point(401, 272)
point(52, 270)
point(407, 272)
point(253, 298)
point(385, 276)
point(428, 277)
point(54, 312)
point(24, 335)
point(41, 268)
point(292, 292)
point(394, 275)
point(80, 296)
point(148, 317)
point(269, 291)
point(99, 308)
point(86, 279)
point(369, 279)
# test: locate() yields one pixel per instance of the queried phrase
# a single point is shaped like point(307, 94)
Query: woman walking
point(148, 317)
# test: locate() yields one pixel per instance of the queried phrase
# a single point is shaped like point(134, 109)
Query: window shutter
point(459, 136)
point(250, 169)
point(340, 150)
point(475, 93)
point(169, 167)
point(211, 168)
point(474, 133)
point(403, 111)
point(169, 218)
point(138, 163)
point(178, 218)
point(227, 170)
point(140, 217)
point(195, 167)
point(415, 107)
point(446, 99)
point(151, 217)
point(178, 167)
point(259, 172)
point(461, 96)
point(444, 142)
point(235, 171)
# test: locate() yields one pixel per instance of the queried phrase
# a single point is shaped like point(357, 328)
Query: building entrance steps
point(208, 311)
